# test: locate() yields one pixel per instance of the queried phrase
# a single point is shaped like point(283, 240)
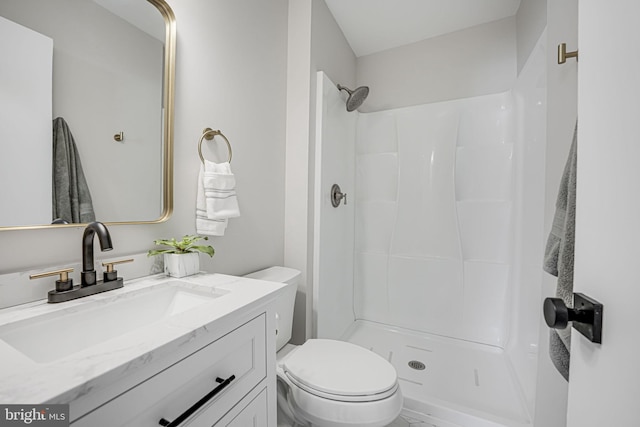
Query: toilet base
point(321, 412)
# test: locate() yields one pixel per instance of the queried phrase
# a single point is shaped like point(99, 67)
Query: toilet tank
point(284, 303)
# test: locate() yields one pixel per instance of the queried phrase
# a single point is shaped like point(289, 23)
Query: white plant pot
point(181, 265)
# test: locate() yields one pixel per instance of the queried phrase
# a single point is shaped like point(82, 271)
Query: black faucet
point(88, 276)
point(65, 290)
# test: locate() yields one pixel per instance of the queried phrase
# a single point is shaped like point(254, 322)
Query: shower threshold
point(446, 382)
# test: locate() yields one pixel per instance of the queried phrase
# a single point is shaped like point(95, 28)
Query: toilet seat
point(340, 371)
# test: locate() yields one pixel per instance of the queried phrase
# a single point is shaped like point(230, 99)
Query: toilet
point(328, 383)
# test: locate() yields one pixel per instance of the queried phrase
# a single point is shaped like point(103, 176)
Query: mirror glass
point(86, 111)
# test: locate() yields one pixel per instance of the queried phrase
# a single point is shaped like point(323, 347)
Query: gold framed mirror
point(106, 69)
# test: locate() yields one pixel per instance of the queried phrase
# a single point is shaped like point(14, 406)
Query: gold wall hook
point(563, 54)
point(119, 136)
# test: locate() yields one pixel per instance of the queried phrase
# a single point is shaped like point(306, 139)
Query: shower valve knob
point(337, 196)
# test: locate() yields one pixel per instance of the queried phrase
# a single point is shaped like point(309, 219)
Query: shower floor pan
point(461, 384)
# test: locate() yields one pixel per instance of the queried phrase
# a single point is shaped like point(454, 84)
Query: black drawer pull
point(200, 403)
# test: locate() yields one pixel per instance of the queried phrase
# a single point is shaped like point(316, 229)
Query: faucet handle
point(64, 283)
point(111, 274)
point(110, 265)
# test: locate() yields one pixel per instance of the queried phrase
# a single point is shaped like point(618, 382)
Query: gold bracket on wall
point(563, 54)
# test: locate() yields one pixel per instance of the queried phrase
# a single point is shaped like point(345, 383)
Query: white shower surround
point(446, 238)
point(434, 191)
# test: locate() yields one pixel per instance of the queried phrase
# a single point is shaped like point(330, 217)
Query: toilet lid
point(340, 369)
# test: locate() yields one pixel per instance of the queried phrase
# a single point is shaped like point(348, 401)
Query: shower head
point(356, 96)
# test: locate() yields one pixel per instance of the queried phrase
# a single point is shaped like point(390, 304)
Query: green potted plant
point(181, 257)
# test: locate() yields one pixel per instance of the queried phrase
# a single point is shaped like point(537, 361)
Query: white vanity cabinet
point(207, 356)
point(215, 381)
point(253, 414)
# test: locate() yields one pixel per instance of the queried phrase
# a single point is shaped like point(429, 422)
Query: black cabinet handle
point(199, 404)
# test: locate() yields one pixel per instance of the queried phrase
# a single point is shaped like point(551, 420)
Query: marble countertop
point(70, 377)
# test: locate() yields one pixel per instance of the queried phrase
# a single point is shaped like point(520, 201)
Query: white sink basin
point(52, 336)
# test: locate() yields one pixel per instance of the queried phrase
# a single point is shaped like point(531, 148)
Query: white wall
point(551, 401)
point(471, 62)
point(530, 95)
point(107, 78)
point(26, 62)
point(231, 75)
point(531, 20)
point(316, 43)
point(330, 51)
point(331, 54)
point(297, 237)
point(333, 297)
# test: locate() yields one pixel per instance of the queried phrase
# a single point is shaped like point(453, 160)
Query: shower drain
point(417, 365)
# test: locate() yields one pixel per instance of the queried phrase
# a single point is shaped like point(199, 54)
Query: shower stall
point(432, 258)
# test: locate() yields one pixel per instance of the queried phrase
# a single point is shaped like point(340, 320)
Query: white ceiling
point(374, 25)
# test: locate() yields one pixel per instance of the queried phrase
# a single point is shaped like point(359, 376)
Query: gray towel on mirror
point(71, 196)
point(558, 255)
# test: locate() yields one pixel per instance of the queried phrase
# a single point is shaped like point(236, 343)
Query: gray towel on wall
point(558, 255)
point(71, 196)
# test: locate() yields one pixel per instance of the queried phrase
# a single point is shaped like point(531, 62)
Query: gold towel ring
point(208, 134)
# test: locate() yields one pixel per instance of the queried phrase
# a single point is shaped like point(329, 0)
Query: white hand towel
point(219, 191)
point(204, 225)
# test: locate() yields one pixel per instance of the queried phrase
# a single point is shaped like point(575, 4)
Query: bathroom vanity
point(197, 351)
